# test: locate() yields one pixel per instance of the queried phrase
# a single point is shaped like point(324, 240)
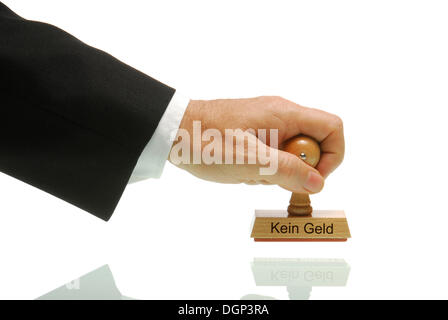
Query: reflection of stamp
point(300, 275)
point(300, 222)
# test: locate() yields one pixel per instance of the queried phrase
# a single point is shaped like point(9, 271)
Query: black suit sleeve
point(73, 119)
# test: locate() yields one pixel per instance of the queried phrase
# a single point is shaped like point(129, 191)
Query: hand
point(268, 113)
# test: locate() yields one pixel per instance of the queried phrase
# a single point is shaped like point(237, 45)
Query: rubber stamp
point(300, 222)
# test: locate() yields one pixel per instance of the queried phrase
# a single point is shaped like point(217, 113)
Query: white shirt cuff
point(153, 158)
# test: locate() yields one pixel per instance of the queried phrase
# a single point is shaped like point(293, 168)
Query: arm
point(75, 122)
point(73, 119)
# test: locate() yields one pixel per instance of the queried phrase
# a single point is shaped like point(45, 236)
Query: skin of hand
point(266, 112)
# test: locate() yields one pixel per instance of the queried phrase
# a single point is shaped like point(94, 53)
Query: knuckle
point(273, 99)
point(337, 123)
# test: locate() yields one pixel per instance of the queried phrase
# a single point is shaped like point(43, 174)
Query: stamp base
point(279, 226)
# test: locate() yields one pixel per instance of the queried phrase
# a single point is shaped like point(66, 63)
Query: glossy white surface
point(379, 65)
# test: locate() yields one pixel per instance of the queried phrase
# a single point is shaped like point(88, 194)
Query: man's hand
point(254, 114)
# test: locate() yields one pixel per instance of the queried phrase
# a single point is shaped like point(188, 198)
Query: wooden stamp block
point(321, 225)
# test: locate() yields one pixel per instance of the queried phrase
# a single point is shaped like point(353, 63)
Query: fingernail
point(314, 182)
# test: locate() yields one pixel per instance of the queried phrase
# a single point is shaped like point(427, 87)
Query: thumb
point(296, 175)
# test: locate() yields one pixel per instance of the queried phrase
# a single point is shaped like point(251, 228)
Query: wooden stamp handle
point(307, 149)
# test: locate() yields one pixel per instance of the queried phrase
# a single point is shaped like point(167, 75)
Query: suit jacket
point(73, 119)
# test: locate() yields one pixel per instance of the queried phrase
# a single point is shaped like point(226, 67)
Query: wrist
point(192, 113)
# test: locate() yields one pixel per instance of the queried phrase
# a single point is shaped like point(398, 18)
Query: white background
point(380, 65)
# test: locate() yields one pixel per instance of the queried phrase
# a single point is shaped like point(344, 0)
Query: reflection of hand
point(264, 113)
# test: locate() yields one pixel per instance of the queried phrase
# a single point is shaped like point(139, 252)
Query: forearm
point(74, 120)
